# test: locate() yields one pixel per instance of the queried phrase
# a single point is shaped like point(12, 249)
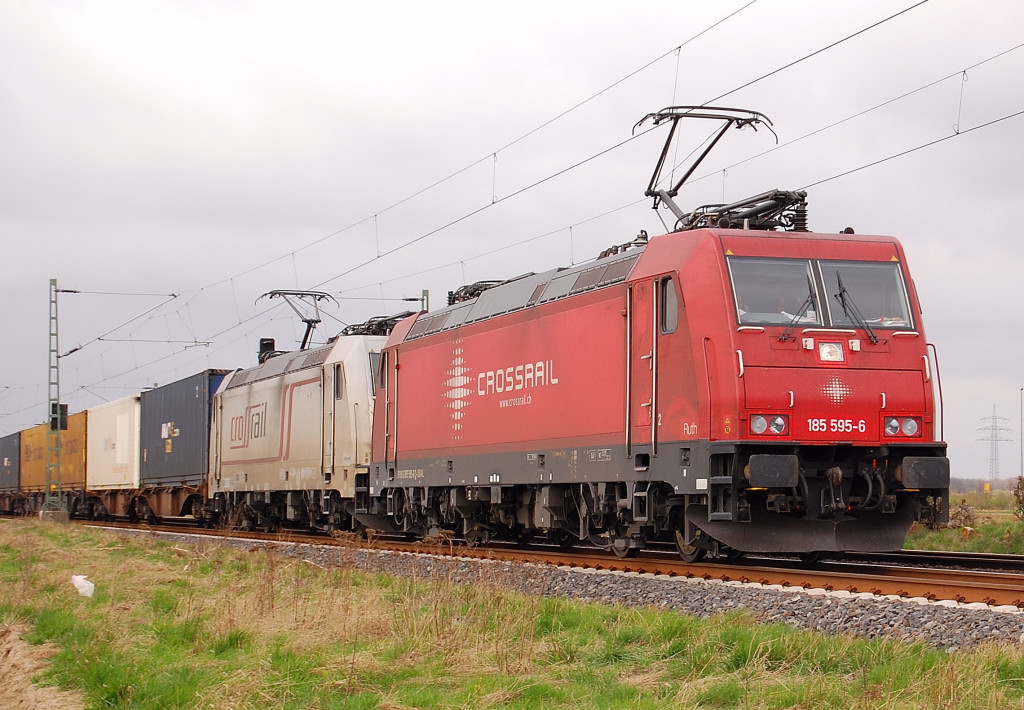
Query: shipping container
point(113, 445)
point(10, 462)
point(34, 445)
point(175, 431)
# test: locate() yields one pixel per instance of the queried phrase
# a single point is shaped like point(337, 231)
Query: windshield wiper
point(851, 310)
point(804, 307)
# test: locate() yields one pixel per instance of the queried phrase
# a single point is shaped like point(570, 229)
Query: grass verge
point(207, 626)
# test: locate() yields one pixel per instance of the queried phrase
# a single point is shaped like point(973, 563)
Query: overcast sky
point(220, 150)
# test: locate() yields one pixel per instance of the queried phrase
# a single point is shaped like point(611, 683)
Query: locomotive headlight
point(910, 427)
point(907, 426)
point(758, 424)
point(778, 425)
point(831, 352)
point(771, 424)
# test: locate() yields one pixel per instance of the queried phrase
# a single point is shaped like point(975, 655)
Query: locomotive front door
point(642, 355)
point(390, 365)
point(340, 438)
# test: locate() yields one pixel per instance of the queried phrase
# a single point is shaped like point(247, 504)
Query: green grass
point(1002, 535)
point(211, 627)
point(996, 529)
point(999, 501)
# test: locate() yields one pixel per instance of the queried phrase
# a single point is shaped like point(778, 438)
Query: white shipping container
point(112, 459)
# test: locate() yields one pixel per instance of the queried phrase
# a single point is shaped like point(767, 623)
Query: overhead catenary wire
point(866, 111)
point(492, 155)
point(169, 298)
point(575, 165)
point(715, 172)
point(929, 144)
point(241, 322)
point(482, 208)
point(560, 229)
point(374, 217)
point(818, 182)
point(815, 53)
point(474, 212)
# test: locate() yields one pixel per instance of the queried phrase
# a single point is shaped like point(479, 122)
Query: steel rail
point(958, 585)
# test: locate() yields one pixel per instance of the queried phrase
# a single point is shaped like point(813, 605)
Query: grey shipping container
point(175, 436)
point(10, 462)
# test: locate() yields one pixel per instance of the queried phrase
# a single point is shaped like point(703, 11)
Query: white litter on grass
point(83, 585)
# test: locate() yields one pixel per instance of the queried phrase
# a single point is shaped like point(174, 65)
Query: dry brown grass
point(20, 662)
point(257, 616)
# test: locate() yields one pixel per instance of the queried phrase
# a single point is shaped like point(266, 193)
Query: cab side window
point(379, 368)
point(668, 319)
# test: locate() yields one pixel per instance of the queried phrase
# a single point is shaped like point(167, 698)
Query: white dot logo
point(456, 390)
point(836, 391)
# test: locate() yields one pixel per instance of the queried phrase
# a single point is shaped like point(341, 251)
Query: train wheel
point(477, 536)
point(620, 545)
point(625, 552)
point(689, 553)
point(562, 538)
point(523, 537)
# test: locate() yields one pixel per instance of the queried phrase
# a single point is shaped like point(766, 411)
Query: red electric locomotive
point(727, 386)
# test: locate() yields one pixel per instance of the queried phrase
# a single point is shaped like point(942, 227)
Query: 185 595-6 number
point(836, 426)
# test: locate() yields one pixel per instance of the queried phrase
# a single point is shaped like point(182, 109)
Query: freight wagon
point(149, 453)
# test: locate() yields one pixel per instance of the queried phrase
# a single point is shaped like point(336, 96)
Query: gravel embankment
point(946, 625)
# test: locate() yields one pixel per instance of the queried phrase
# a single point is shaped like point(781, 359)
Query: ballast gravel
point(946, 625)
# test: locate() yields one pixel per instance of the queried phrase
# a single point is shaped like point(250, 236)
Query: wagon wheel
point(625, 552)
point(477, 536)
point(620, 544)
point(523, 537)
point(562, 538)
point(689, 553)
point(196, 509)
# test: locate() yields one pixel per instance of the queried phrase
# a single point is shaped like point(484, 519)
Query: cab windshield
point(774, 291)
point(875, 289)
point(810, 292)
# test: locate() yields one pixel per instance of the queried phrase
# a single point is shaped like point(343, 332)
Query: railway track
point(993, 580)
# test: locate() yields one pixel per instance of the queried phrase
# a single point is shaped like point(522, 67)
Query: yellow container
point(34, 445)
